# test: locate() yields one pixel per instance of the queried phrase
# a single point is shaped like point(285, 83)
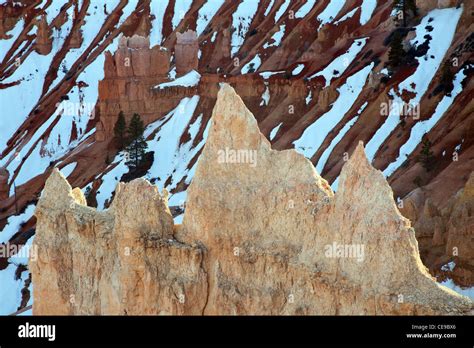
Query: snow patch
point(304, 10)
point(206, 13)
point(325, 156)
point(191, 79)
point(269, 8)
point(253, 64)
point(158, 9)
point(241, 20)
point(276, 38)
point(368, 8)
point(330, 12)
point(469, 292)
point(297, 70)
point(337, 67)
point(68, 169)
point(282, 10)
point(181, 7)
point(423, 127)
point(14, 223)
point(265, 96)
point(444, 22)
point(274, 131)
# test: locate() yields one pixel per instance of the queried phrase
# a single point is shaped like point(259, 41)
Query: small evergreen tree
point(396, 54)
point(120, 130)
point(404, 6)
point(137, 145)
point(403, 122)
point(447, 77)
point(426, 155)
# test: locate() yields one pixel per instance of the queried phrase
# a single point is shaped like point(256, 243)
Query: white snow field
point(241, 20)
point(444, 22)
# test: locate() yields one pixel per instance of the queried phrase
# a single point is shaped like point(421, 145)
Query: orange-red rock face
point(130, 74)
point(44, 41)
point(186, 52)
point(4, 188)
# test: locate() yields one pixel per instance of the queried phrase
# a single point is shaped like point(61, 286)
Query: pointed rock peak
point(356, 167)
point(233, 125)
point(140, 195)
point(148, 193)
point(58, 182)
point(358, 164)
point(57, 192)
point(229, 100)
point(359, 157)
point(360, 180)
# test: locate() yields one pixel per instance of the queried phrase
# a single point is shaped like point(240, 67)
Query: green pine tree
point(120, 130)
point(411, 6)
point(137, 145)
point(426, 156)
point(396, 54)
point(447, 77)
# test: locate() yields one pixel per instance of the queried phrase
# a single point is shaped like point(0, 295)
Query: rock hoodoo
point(446, 234)
point(263, 233)
point(186, 52)
point(129, 75)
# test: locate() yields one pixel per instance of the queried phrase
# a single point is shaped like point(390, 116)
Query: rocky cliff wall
point(129, 75)
point(263, 233)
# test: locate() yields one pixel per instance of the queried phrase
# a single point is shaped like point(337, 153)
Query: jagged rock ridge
point(256, 239)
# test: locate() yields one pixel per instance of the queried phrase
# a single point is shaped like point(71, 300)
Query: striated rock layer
point(263, 233)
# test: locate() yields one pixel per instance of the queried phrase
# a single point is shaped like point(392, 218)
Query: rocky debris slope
point(262, 234)
point(445, 234)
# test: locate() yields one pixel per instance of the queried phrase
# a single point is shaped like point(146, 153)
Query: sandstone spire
point(263, 233)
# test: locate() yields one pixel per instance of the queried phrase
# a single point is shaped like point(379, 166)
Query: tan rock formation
point(120, 261)
point(460, 232)
point(263, 233)
point(186, 52)
point(445, 234)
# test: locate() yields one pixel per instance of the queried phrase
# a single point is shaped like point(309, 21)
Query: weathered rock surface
point(445, 233)
point(186, 51)
point(120, 261)
point(129, 75)
point(4, 188)
point(257, 237)
point(44, 42)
